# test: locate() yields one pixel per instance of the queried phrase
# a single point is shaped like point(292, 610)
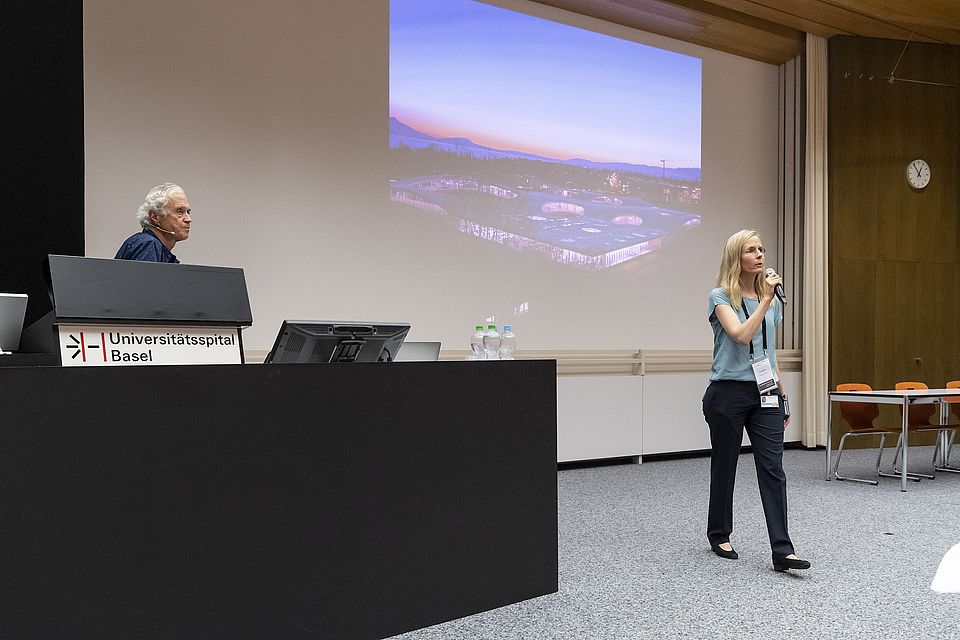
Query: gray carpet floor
point(635, 563)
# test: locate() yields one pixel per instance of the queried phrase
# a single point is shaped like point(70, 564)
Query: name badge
point(763, 372)
point(769, 402)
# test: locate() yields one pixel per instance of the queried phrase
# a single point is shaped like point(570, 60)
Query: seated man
point(165, 220)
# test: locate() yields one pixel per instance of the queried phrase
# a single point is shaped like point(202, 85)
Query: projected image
point(539, 136)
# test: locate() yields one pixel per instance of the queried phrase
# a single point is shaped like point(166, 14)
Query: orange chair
point(918, 419)
point(860, 417)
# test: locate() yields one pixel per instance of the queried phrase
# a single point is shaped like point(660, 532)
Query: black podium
point(117, 312)
point(284, 501)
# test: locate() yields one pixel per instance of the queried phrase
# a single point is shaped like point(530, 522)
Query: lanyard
point(763, 327)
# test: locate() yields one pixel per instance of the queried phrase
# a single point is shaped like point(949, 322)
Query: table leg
point(903, 438)
point(942, 435)
point(829, 433)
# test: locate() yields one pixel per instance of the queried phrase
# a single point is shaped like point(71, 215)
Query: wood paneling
point(925, 21)
point(897, 342)
point(774, 30)
point(699, 23)
point(895, 267)
point(853, 285)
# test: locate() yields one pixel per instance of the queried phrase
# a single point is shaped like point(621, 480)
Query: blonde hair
point(729, 277)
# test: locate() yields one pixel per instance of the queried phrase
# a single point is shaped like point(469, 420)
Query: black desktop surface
point(29, 360)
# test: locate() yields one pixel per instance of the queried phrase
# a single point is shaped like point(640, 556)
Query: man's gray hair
point(156, 201)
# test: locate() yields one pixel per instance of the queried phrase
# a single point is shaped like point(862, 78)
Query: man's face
point(175, 218)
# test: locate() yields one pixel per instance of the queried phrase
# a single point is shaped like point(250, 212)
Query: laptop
point(418, 352)
point(12, 308)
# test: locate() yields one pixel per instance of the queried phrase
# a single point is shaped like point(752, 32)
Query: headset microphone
point(160, 229)
point(779, 288)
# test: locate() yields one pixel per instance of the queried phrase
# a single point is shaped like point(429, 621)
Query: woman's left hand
point(783, 397)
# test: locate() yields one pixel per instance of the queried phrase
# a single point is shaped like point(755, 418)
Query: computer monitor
point(310, 341)
point(418, 352)
point(12, 309)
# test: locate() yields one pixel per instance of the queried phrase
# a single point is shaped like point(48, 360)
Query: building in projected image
point(579, 227)
point(539, 136)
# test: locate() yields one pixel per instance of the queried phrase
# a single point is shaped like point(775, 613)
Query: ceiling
point(774, 30)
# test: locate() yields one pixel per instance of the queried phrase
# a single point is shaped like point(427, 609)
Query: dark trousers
point(729, 406)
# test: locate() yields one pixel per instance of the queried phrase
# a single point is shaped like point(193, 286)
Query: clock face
point(918, 174)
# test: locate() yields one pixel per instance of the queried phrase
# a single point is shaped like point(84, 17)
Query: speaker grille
point(294, 345)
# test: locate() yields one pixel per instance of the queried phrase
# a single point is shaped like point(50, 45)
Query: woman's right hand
point(772, 281)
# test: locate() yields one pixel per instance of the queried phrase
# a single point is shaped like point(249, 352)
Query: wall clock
point(918, 173)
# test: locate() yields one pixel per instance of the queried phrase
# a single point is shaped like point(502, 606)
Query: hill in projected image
point(539, 136)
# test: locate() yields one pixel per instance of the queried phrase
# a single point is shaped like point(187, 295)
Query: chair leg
point(836, 465)
point(883, 439)
point(942, 439)
point(915, 477)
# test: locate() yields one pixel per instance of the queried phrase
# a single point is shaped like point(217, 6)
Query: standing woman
point(746, 390)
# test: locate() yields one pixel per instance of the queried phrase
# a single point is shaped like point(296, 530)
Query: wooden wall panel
point(936, 323)
point(896, 316)
point(853, 282)
point(895, 266)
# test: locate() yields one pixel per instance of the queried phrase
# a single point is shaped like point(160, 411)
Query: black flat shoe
point(723, 553)
point(790, 563)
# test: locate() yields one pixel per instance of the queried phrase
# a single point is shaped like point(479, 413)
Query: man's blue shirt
point(145, 247)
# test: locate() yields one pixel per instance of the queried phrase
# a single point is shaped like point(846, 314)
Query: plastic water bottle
point(491, 342)
point(508, 343)
point(476, 342)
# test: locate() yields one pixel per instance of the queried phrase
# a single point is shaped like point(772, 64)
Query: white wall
point(621, 416)
point(599, 417)
point(269, 114)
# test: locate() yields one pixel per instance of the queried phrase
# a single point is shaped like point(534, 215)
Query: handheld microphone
point(173, 234)
point(778, 290)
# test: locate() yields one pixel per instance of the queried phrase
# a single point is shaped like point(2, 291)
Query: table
point(904, 398)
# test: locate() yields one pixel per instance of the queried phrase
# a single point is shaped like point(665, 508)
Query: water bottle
point(508, 343)
point(476, 342)
point(491, 342)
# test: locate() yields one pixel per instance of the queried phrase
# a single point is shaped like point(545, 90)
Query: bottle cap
point(507, 327)
point(491, 326)
point(478, 327)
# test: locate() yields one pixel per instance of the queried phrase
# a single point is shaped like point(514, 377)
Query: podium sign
point(119, 345)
